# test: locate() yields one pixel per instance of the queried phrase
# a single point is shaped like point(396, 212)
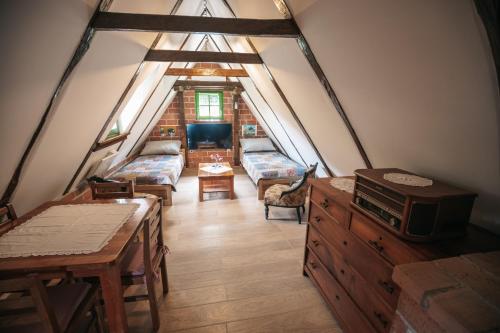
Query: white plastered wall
point(418, 84)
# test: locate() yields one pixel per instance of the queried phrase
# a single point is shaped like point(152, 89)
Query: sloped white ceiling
point(415, 79)
point(418, 84)
point(36, 48)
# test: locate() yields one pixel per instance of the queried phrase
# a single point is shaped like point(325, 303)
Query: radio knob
point(392, 221)
point(358, 200)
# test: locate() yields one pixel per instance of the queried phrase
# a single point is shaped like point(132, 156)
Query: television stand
point(206, 145)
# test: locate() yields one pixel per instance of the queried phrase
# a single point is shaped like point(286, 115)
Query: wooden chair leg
point(164, 276)
point(303, 209)
point(267, 212)
point(298, 215)
point(99, 315)
point(153, 305)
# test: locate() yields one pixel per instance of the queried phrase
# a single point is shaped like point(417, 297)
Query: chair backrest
point(38, 293)
point(115, 190)
point(154, 246)
point(300, 184)
point(7, 216)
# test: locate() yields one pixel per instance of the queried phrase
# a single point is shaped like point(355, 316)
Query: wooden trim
point(202, 56)
point(110, 141)
point(306, 50)
point(236, 129)
point(80, 51)
point(489, 11)
point(309, 55)
point(206, 72)
point(182, 124)
point(194, 24)
point(225, 85)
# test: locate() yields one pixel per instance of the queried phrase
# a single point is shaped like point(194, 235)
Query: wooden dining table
point(104, 264)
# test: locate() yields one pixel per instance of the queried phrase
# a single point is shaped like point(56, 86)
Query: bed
point(153, 173)
point(267, 168)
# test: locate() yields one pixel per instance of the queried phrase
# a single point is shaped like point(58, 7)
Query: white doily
point(216, 170)
point(66, 229)
point(343, 184)
point(405, 179)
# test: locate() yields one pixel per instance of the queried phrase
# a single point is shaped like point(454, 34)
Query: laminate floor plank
point(230, 270)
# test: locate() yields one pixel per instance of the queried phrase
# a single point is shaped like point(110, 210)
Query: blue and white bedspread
point(152, 170)
point(271, 165)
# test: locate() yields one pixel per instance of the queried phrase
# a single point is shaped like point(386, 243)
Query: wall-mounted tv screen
point(206, 136)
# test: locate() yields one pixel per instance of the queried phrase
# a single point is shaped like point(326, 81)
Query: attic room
point(231, 166)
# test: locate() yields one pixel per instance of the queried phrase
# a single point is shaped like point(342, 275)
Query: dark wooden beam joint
point(206, 72)
point(195, 84)
point(202, 56)
point(195, 24)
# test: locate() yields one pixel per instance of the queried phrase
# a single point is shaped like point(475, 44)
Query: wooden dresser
point(350, 258)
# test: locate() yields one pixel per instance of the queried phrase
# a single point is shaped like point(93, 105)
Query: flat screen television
point(206, 136)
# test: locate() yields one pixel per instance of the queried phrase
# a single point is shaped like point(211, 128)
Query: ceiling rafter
point(206, 72)
point(202, 56)
point(229, 85)
point(109, 21)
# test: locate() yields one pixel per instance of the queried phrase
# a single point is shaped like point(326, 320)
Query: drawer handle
point(315, 242)
point(345, 243)
point(387, 286)
point(342, 271)
point(376, 245)
point(317, 219)
point(381, 318)
point(324, 203)
point(337, 297)
point(313, 264)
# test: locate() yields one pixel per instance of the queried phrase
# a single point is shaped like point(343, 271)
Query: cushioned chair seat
point(273, 197)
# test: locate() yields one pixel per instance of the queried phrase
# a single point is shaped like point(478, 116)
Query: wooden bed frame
point(264, 183)
point(163, 191)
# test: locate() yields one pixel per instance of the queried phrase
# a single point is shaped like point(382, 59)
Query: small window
point(115, 131)
point(209, 105)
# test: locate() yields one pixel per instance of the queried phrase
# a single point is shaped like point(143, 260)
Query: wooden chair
point(33, 307)
point(7, 217)
point(112, 190)
point(146, 263)
point(286, 196)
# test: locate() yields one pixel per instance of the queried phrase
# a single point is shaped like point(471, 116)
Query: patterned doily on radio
point(405, 179)
point(343, 184)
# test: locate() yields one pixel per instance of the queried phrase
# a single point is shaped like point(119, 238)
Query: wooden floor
point(231, 271)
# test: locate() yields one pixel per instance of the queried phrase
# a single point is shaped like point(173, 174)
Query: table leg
point(112, 294)
point(231, 188)
point(200, 189)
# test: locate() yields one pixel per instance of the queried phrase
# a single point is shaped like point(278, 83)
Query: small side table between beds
point(210, 182)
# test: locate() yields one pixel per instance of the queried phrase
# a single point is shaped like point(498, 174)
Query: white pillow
point(170, 147)
point(258, 144)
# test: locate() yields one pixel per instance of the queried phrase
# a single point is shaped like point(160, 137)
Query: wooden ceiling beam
point(206, 72)
point(203, 56)
point(192, 84)
point(195, 24)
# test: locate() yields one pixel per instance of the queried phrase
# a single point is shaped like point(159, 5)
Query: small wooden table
point(104, 264)
point(215, 182)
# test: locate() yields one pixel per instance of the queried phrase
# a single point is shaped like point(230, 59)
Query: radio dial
point(392, 221)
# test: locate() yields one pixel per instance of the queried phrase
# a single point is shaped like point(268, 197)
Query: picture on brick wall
point(249, 130)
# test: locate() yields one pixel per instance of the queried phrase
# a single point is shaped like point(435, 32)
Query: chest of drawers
point(350, 259)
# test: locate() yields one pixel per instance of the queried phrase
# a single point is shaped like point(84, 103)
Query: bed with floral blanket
point(154, 174)
point(269, 168)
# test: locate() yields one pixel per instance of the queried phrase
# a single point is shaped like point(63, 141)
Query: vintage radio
point(415, 211)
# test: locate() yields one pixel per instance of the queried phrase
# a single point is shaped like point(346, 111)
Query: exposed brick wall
point(171, 116)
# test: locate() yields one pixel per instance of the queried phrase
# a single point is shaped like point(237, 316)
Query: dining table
point(104, 264)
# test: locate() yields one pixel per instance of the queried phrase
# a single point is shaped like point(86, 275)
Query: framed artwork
point(249, 130)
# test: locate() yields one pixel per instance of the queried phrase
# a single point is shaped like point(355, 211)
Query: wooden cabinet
point(350, 259)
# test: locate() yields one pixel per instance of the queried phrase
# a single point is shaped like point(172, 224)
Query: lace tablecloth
point(64, 230)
